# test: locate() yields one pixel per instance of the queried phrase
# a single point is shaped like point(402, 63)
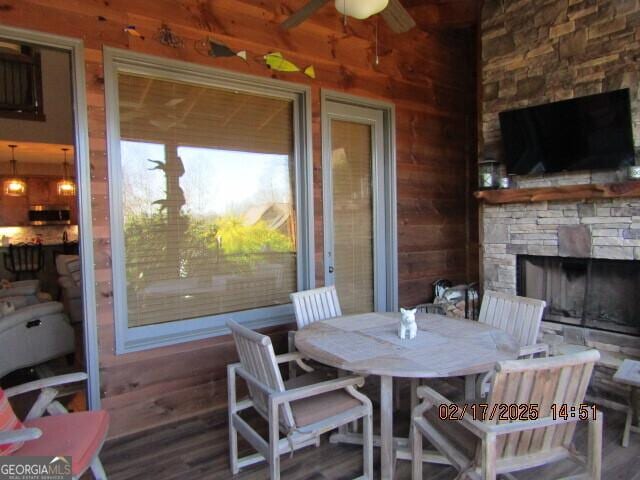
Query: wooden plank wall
point(430, 76)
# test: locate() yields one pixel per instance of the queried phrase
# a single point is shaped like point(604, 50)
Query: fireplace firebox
point(595, 293)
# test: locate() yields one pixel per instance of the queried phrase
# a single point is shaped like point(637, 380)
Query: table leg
point(386, 428)
point(415, 383)
point(470, 387)
point(343, 429)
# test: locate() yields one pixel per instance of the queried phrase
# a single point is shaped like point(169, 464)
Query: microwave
point(49, 215)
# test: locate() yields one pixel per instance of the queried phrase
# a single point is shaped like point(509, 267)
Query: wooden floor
point(197, 449)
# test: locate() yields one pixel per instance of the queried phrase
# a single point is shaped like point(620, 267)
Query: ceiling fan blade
point(397, 17)
point(302, 14)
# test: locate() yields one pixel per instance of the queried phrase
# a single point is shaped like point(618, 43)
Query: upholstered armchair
point(70, 283)
point(22, 293)
point(34, 334)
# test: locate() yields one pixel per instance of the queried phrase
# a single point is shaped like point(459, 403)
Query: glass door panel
point(353, 220)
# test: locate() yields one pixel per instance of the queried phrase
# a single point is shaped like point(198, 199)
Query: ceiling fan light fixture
point(360, 9)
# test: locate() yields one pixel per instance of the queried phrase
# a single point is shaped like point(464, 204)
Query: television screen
point(592, 132)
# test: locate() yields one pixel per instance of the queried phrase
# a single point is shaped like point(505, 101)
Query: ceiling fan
point(392, 12)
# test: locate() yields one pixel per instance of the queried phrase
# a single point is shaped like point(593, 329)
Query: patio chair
point(312, 306)
point(301, 408)
point(518, 316)
point(60, 434)
point(485, 448)
point(315, 305)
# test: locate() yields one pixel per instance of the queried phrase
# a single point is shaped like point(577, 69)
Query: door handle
point(331, 269)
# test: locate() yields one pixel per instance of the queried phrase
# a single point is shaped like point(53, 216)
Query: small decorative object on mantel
point(275, 61)
point(488, 174)
point(166, 37)
point(408, 328)
point(634, 172)
point(211, 48)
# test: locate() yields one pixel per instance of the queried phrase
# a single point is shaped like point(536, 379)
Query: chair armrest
point(236, 369)
point(20, 435)
point(46, 383)
point(533, 349)
point(70, 289)
point(317, 389)
point(294, 357)
point(289, 357)
point(21, 288)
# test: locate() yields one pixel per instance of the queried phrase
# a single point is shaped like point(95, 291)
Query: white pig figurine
point(408, 328)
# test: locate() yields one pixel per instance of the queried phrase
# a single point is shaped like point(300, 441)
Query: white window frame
point(130, 339)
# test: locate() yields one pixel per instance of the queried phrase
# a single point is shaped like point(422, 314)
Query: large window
point(210, 181)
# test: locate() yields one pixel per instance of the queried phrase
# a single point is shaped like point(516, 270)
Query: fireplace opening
point(595, 293)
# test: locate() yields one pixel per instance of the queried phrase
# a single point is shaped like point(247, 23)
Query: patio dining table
point(368, 344)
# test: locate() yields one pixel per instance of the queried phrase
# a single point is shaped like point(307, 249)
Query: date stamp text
point(512, 412)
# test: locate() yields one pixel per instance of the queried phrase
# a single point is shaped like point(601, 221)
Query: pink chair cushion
point(78, 435)
point(8, 421)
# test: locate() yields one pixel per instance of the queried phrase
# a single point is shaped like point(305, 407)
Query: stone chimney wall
point(541, 51)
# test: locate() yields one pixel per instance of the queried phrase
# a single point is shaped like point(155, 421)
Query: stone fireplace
point(588, 292)
point(566, 251)
point(536, 52)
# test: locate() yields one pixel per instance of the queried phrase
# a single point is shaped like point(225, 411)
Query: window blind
point(208, 202)
point(351, 164)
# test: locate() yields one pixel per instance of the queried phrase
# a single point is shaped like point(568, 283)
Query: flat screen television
point(586, 133)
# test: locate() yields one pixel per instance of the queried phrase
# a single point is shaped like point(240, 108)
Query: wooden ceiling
point(33, 152)
point(430, 14)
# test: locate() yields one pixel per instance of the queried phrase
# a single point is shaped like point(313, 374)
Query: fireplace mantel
point(630, 189)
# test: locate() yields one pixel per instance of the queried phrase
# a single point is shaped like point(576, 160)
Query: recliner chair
point(21, 293)
point(70, 283)
point(34, 334)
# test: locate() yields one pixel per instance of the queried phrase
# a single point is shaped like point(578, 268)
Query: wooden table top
point(369, 344)
point(629, 373)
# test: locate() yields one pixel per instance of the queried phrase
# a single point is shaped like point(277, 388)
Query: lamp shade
point(15, 187)
point(66, 187)
point(360, 9)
